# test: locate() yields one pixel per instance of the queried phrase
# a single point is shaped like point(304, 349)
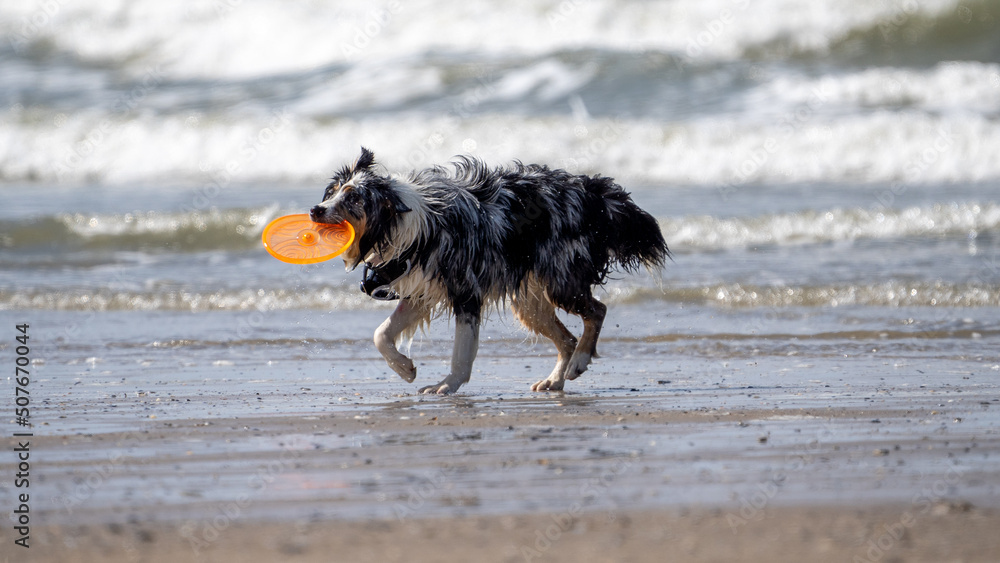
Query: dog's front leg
point(404, 317)
point(466, 347)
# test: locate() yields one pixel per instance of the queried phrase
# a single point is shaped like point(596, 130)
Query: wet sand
point(853, 447)
point(523, 477)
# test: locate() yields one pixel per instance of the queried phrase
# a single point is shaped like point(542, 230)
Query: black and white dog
point(459, 240)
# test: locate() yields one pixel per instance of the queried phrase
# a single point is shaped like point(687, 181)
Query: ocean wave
point(198, 38)
point(239, 229)
point(687, 92)
point(919, 33)
point(833, 225)
point(150, 231)
point(952, 87)
point(729, 295)
point(879, 294)
point(798, 146)
point(194, 300)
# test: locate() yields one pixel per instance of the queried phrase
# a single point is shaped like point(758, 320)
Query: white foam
point(248, 38)
point(548, 79)
point(379, 62)
point(368, 87)
point(188, 299)
point(831, 225)
point(892, 293)
point(248, 222)
point(955, 87)
point(707, 232)
point(726, 153)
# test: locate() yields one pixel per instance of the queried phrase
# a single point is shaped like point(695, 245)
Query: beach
point(813, 376)
point(697, 473)
point(758, 457)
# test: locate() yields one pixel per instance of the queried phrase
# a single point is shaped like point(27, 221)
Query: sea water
point(825, 174)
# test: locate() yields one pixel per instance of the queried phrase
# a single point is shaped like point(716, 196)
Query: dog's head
point(367, 200)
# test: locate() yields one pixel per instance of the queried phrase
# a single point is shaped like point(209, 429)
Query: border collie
point(459, 240)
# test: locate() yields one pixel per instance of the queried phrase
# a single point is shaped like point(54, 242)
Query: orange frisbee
point(296, 239)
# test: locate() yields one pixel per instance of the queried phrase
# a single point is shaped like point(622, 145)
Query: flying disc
point(296, 239)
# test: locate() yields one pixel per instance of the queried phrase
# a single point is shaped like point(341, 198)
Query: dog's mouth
point(352, 257)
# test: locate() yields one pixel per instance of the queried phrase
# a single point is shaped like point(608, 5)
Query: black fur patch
point(487, 228)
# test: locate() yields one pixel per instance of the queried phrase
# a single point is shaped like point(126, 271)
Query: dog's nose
point(316, 212)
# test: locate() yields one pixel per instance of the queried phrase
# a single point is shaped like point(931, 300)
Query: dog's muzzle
point(319, 214)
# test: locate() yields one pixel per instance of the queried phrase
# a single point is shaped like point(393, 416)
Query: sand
point(948, 533)
point(558, 477)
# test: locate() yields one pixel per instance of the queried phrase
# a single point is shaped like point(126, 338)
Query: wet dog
point(458, 240)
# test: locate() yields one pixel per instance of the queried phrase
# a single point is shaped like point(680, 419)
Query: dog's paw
point(548, 385)
point(443, 388)
point(405, 369)
point(577, 365)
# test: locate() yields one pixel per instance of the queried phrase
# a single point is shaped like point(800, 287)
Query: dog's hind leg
point(466, 347)
point(537, 313)
point(592, 312)
point(403, 319)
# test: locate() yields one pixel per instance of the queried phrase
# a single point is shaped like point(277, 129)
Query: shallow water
point(824, 173)
point(178, 430)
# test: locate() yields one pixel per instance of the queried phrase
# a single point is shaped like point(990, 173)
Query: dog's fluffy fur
point(475, 236)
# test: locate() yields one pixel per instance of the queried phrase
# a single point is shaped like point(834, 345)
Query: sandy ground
point(948, 533)
point(562, 477)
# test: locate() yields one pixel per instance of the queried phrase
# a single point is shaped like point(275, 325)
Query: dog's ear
point(366, 160)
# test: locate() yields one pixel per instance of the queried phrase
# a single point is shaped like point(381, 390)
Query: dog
point(461, 240)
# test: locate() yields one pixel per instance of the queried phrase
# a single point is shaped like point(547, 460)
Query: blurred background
point(817, 167)
point(674, 92)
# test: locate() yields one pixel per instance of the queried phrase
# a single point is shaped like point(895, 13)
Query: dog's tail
point(633, 235)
